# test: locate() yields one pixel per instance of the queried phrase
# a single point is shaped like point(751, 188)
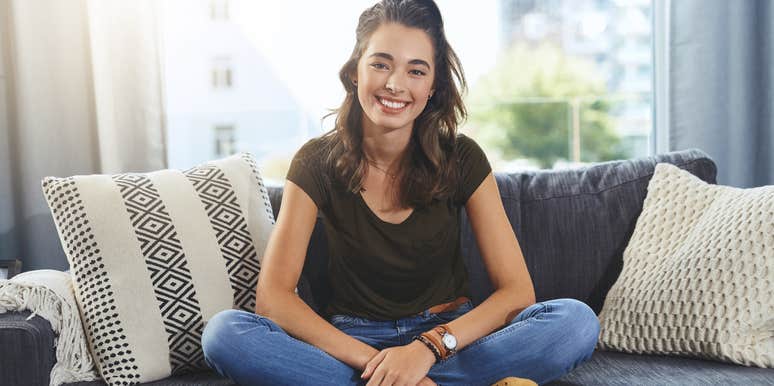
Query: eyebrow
point(389, 57)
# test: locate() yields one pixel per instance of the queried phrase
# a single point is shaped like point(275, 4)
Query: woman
point(390, 180)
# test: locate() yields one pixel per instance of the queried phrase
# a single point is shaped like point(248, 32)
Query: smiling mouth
point(395, 106)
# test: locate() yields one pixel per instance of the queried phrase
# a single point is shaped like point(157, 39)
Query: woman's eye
point(417, 72)
point(379, 66)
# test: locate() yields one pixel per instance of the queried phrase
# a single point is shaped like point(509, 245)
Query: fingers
point(376, 379)
point(426, 381)
point(389, 378)
point(381, 370)
point(372, 364)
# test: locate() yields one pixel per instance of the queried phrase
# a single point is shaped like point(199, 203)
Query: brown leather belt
point(446, 307)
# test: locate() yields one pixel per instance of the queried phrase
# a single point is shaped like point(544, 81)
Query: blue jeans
point(545, 341)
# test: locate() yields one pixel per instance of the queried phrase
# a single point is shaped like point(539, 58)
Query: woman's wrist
point(366, 356)
point(437, 338)
point(431, 356)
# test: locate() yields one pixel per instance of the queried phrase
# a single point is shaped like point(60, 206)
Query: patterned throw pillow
point(697, 274)
point(155, 255)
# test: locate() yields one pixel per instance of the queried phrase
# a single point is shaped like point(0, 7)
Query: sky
point(308, 41)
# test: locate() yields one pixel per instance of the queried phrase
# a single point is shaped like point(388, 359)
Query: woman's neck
point(385, 148)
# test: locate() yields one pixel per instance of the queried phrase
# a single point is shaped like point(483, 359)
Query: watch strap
point(441, 330)
point(437, 342)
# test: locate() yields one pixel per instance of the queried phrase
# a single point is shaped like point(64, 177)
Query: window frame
point(659, 143)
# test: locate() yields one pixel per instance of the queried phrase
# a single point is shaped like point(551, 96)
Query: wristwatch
point(448, 339)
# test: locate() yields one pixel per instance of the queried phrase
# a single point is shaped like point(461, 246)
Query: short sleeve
point(473, 165)
point(307, 172)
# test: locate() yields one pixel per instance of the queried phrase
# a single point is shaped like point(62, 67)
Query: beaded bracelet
point(429, 345)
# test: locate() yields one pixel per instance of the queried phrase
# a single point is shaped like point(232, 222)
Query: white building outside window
point(552, 83)
point(219, 10)
point(222, 73)
point(225, 140)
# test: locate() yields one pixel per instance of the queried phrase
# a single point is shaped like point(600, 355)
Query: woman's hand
point(403, 365)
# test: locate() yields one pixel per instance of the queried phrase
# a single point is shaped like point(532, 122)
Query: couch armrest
point(27, 352)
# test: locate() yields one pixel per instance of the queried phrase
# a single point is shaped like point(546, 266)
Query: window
point(219, 10)
point(221, 73)
point(572, 85)
point(552, 83)
point(225, 140)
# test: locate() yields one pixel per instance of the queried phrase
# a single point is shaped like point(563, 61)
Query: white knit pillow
point(698, 274)
point(155, 255)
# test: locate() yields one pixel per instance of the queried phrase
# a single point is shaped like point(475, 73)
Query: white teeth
point(392, 105)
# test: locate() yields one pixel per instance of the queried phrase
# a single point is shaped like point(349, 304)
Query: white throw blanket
point(49, 293)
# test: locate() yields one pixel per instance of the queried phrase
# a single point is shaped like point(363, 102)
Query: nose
point(394, 83)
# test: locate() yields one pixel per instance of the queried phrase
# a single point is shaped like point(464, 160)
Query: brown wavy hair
point(429, 166)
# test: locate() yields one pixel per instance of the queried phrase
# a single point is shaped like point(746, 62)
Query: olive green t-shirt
point(386, 271)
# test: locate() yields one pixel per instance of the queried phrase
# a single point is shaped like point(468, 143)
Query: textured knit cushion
point(155, 255)
point(697, 275)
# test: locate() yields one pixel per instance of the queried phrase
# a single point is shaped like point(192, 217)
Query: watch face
point(450, 341)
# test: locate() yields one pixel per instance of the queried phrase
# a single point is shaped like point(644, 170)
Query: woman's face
point(394, 77)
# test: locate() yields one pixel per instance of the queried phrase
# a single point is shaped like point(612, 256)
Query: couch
point(573, 226)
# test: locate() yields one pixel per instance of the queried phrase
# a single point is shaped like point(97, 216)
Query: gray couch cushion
point(614, 368)
point(206, 378)
point(604, 368)
point(572, 225)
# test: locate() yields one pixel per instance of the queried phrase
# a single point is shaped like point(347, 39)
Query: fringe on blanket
point(74, 362)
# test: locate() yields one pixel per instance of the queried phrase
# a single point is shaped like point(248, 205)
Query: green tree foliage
point(523, 107)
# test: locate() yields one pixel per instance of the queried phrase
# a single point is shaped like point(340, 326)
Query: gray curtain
point(80, 93)
point(721, 85)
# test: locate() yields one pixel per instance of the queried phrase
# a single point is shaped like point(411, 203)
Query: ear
point(353, 72)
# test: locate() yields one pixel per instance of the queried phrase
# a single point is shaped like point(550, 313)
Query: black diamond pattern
point(166, 262)
point(230, 227)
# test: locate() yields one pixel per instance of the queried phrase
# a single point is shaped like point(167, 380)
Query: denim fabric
point(542, 343)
